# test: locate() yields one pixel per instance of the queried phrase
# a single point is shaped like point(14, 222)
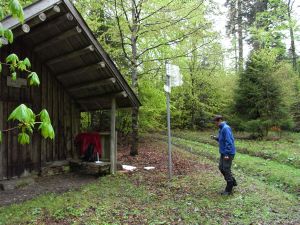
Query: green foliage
point(258, 128)
point(8, 34)
point(24, 115)
point(34, 79)
point(260, 96)
point(27, 63)
point(13, 59)
point(14, 76)
point(172, 33)
point(47, 130)
point(27, 120)
point(1, 17)
point(45, 116)
point(1, 29)
point(16, 9)
point(23, 138)
point(153, 106)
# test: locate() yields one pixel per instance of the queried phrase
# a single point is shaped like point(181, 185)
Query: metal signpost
point(173, 79)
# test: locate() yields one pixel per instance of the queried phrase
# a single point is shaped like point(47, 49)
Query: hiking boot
point(229, 186)
point(234, 182)
point(226, 193)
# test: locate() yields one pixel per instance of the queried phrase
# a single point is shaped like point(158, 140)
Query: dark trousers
point(225, 169)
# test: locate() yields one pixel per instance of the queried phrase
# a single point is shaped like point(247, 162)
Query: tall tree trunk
point(193, 109)
point(191, 67)
point(236, 59)
point(260, 6)
point(240, 36)
point(293, 48)
point(134, 74)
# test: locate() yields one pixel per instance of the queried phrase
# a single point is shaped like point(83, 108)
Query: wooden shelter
point(76, 75)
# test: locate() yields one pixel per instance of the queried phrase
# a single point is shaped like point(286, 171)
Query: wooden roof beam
point(67, 17)
point(71, 55)
point(80, 70)
point(94, 84)
point(31, 11)
point(109, 63)
point(43, 16)
point(57, 38)
point(87, 99)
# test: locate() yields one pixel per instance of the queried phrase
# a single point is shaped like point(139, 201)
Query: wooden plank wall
point(16, 159)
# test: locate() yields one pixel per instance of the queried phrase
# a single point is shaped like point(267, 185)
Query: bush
point(256, 128)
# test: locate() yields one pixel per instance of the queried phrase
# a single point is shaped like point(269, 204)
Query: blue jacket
point(226, 140)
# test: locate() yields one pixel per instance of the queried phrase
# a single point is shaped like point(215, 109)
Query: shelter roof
point(64, 43)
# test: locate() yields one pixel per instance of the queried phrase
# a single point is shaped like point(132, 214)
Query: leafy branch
point(14, 64)
point(26, 118)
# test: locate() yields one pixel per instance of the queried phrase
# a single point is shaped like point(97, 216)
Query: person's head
point(218, 119)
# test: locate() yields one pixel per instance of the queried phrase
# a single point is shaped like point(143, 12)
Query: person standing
point(227, 152)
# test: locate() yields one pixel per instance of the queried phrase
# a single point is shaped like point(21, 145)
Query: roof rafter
point(71, 55)
point(94, 84)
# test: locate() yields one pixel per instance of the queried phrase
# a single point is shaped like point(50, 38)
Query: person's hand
point(226, 157)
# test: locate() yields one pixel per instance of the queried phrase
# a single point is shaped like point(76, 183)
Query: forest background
point(253, 80)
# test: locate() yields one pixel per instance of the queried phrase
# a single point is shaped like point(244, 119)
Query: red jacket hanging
point(85, 139)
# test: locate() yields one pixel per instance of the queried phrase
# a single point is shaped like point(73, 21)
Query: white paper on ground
point(149, 168)
point(129, 168)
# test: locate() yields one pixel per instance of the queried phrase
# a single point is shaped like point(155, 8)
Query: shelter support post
point(113, 144)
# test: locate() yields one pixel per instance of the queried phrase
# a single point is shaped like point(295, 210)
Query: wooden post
point(1, 145)
point(113, 152)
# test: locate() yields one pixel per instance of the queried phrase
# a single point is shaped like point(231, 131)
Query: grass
point(285, 150)
point(279, 175)
point(141, 198)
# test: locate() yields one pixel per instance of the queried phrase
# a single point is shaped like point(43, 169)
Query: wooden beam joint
point(57, 38)
point(80, 70)
point(93, 84)
point(121, 94)
point(71, 55)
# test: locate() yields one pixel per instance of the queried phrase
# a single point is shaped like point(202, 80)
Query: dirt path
point(53, 184)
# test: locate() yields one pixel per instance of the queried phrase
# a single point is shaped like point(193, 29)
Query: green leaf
point(0, 67)
point(47, 130)
point(0, 136)
point(32, 116)
point(16, 9)
point(21, 113)
point(34, 79)
point(12, 58)
point(44, 115)
point(29, 129)
point(1, 13)
point(27, 62)
point(1, 29)
point(23, 138)
point(14, 76)
point(22, 66)
point(8, 34)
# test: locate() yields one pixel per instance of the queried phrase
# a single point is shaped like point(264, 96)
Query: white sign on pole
point(173, 72)
point(167, 89)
